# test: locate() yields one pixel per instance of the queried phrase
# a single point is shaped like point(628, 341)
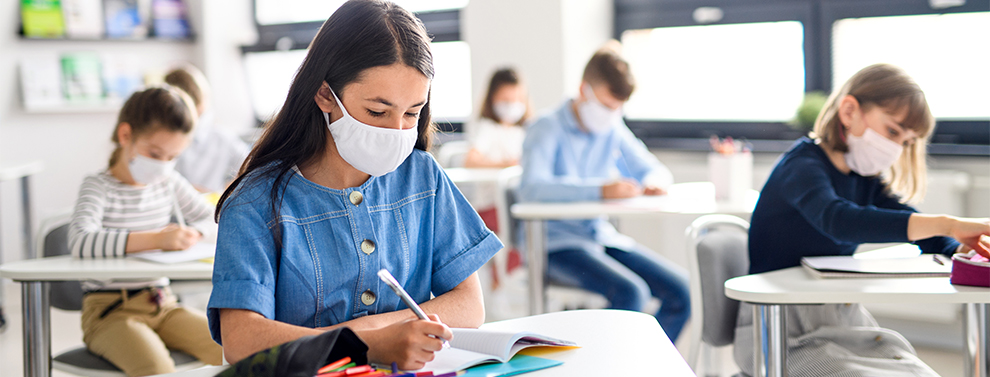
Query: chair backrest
point(717, 248)
point(505, 197)
point(53, 240)
point(452, 153)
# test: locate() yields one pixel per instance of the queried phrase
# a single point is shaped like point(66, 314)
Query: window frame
point(952, 137)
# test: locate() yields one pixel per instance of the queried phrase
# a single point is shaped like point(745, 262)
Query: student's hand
point(177, 237)
point(654, 190)
point(974, 234)
point(621, 189)
point(410, 343)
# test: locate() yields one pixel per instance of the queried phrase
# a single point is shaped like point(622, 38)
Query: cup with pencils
point(730, 168)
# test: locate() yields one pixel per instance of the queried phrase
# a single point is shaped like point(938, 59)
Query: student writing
point(127, 208)
point(583, 151)
point(339, 187)
point(845, 187)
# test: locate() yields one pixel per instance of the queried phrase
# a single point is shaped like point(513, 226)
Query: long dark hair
point(361, 34)
point(502, 77)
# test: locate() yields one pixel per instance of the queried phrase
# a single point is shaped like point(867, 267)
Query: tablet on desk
point(925, 265)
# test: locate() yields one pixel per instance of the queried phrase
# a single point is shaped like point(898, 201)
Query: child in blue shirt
point(340, 187)
point(846, 187)
point(584, 152)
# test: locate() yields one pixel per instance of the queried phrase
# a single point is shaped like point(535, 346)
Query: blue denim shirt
point(412, 221)
point(562, 163)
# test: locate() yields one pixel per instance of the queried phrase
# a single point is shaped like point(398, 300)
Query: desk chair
point(452, 153)
point(717, 251)
point(53, 240)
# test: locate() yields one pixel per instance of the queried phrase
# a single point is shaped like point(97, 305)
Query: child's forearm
point(142, 241)
point(921, 226)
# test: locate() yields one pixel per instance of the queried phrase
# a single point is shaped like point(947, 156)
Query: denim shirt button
point(368, 297)
point(368, 246)
point(356, 197)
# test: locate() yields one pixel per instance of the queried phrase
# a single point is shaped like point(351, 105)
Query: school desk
point(613, 343)
point(682, 198)
point(35, 275)
point(473, 175)
point(769, 291)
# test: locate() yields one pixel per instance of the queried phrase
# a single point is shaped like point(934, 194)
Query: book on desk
point(925, 265)
point(470, 347)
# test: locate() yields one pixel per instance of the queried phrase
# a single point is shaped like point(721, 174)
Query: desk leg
point(26, 210)
point(536, 258)
point(37, 329)
point(975, 340)
point(769, 341)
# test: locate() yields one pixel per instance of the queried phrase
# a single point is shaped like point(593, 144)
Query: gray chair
point(717, 251)
point(53, 240)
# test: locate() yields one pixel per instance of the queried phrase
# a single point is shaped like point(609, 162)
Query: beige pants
point(137, 334)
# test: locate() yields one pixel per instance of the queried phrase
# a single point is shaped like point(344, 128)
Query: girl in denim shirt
point(339, 187)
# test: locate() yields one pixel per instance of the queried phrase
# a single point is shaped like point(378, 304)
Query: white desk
point(613, 343)
point(682, 198)
point(35, 274)
point(770, 290)
point(473, 175)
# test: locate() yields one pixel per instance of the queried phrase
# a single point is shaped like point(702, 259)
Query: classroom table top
point(66, 268)
point(682, 198)
point(796, 286)
point(613, 343)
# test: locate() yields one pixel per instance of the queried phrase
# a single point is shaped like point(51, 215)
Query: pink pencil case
point(970, 269)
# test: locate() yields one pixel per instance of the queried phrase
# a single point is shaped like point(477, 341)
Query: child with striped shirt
point(129, 208)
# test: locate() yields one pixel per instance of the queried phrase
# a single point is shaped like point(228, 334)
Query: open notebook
point(925, 265)
point(471, 347)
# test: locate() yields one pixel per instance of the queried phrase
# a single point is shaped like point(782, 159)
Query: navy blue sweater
point(809, 208)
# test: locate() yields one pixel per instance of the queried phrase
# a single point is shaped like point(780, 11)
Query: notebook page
point(196, 252)
point(453, 359)
point(495, 343)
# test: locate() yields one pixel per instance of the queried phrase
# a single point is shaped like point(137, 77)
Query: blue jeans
point(627, 278)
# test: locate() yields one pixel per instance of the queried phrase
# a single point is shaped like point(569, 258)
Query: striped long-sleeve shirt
point(108, 210)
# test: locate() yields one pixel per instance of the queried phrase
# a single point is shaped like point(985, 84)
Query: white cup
point(732, 175)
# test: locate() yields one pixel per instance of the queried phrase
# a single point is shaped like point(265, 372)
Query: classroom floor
point(67, 334)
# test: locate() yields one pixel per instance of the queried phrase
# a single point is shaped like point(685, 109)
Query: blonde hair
point(890, 88)
point(192, 81)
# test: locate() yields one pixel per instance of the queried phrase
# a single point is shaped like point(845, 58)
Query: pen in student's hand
point(394, 284)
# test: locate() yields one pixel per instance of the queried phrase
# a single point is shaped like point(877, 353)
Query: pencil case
point(970, 269)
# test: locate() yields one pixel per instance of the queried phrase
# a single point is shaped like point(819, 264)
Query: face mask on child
point(871, 153)
point(146, 170)
point(373, 150)
point(509, 112)
point(596, 117)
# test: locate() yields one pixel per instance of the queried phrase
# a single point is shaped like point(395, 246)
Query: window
point(737, 72)
point(702, 55)
point(946, 54)
point(286, 27)
point(270, 73)
point(450, 99)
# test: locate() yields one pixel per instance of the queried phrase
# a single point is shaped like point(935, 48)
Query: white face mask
point(146, 170)
point(596, 117)
point(373, 150)
point(509, 112)
point(871, 153)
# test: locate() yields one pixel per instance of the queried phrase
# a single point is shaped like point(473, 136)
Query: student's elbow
point(235, 335)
